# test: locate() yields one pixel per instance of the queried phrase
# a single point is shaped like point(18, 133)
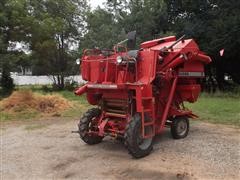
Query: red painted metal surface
point(155, 83)
point(168, 104)
point(81, 90)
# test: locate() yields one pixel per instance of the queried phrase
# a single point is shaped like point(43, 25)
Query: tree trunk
point(220, 76)
point(62, 82)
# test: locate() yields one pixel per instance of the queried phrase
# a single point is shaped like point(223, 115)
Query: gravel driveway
point(47, 150)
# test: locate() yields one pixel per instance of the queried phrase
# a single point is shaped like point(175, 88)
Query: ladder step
point(149, 123)
point(117, 111)
point(144, 98)
point(148, 136)
point(116, 115)
point(147, 110)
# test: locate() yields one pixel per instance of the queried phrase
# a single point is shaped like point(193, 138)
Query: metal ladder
point(148, 108)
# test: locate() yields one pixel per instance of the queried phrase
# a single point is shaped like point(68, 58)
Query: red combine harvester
point(140, 92)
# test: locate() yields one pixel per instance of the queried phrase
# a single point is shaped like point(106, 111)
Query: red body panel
point(164, 74)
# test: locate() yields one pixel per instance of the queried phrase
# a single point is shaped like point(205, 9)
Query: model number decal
point(191, 74)
point(102, 86)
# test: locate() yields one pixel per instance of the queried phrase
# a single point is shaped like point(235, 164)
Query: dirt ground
point(48, 150)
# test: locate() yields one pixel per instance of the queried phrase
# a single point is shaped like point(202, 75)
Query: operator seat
point(133, 54)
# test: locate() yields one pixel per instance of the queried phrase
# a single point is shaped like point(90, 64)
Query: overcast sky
point(95, 3)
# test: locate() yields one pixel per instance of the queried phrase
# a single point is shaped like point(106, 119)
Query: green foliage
point(51, 28)
point(58, 26)
point(215, 25)
point(221, 108)
point(103, 30)
point(148, 17)
point(12, 29)
point(109, 25)
point(6, 82)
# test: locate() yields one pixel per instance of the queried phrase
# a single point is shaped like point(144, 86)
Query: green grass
point(24, 115)
point(223, 108)
point(35, 127)
point(218, 108)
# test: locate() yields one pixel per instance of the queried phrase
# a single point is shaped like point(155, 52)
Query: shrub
point(6, 82)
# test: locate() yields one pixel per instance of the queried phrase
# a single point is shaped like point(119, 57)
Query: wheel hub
point(182, 128)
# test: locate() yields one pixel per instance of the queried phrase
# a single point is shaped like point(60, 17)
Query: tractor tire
point(85, 126)
point(136, 145)
point(180, 127)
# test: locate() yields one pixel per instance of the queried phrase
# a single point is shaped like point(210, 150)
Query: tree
point(102, 30)
point(51, 29)
point(149, 18)
point(57, 27)
point(215, 25)
point(109, 25)
point(6, 81)
point(12, 29)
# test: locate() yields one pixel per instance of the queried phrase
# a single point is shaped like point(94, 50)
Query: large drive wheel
point(180, 127)
point(136, 145)
point(88, 123)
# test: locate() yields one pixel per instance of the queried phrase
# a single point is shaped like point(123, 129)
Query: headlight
point(78, 61)
point(119, 59)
